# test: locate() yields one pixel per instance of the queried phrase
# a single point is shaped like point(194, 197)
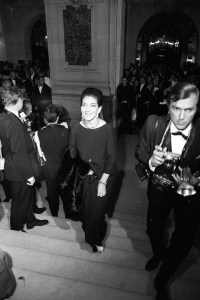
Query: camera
point(162, 182)
point(162, 177)
point(169, 160)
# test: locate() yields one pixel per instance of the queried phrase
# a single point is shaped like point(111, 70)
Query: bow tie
point(180, 133)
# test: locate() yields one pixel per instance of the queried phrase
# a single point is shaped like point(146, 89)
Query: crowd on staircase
point(32, 153)
point(78, 164)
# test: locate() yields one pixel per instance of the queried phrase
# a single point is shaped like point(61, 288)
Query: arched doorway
point(164, 46)
point(169, 38)
point(39, 45)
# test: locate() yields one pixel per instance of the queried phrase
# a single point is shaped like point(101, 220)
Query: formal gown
point(97, 148)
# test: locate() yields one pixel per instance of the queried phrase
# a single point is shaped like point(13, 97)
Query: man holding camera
point(169, 146)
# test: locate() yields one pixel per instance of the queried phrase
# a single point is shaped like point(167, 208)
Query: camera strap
point(187, 145)
point(165, 133)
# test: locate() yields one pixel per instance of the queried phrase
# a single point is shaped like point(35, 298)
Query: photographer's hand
point(177, 178)
point(185, 176)
point(175, 155)
point(194, 180)
point(157, 157)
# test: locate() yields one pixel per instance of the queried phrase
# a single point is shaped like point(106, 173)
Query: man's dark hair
point(10, 96)
point(26, 104)
point(182, 90)
point(50, 113)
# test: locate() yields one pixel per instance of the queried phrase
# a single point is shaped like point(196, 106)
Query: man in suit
point(177, 133)
point(33, 75)
point(124, 106)
point(21, 166)
point(41, 95)
point(143, 101)
point(26, 84)
point(54, 142)
point(14, 80)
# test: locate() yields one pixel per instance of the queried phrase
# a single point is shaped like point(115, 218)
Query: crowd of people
point(144, 90)
point(34, 153)
point(33, 79)
point(79, 164)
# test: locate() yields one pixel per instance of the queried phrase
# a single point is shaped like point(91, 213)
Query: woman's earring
point(100, 115)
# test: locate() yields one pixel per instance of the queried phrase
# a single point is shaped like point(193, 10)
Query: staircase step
point(117, 257)
point(92, 272)
point(78, 236)
point(38, 286)
point(118, 238)
point(185, 289)
point(135, 230)
point(117, 220)
point(123, 258)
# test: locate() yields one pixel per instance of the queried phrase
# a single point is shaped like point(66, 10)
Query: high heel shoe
point(98, 249)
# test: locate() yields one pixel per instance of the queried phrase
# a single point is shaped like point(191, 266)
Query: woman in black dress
point(94, 141)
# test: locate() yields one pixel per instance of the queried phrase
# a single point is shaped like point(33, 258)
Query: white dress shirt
point(14, 82)
point(40, 89)
point(177, 141)
point(141, 86)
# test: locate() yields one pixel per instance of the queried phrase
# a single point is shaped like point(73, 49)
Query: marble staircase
point(53, 262)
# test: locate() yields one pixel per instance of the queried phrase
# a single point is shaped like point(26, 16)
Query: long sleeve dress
point(97, 148)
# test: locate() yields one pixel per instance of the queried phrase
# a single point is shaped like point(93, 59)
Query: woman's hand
point(101, 190)
point(31, 181)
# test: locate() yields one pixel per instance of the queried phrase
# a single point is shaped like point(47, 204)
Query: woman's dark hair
point(94, 93)
point(182, 90)
point(50, 113)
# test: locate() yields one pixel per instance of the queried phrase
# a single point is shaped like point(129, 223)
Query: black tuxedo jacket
point(151, 135)
point(41, 100)
point(27, 84)
point(144, 95)
point(18, 82)
point(54, 142)
point(18, 149)
point(124, 93)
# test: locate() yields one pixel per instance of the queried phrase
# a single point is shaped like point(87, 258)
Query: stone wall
point(109, 39)
point(18, 18)
point(69, 75)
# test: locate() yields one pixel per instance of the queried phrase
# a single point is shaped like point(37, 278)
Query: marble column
point(85, 43)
